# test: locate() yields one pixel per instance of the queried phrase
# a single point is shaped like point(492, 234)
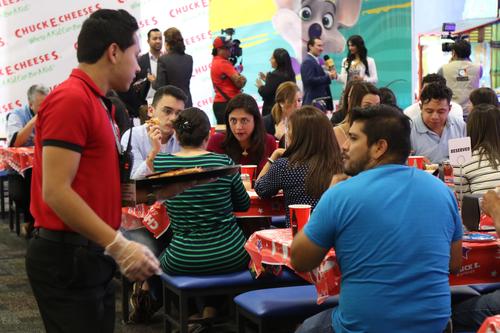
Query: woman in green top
point(206, 238)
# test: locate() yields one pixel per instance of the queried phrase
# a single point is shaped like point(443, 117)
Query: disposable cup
point(249, 170)
point(299, 215)
point(416, 161)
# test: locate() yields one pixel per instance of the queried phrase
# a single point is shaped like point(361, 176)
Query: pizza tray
point(207, 173)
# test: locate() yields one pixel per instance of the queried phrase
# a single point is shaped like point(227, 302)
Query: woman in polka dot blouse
point(306, 168)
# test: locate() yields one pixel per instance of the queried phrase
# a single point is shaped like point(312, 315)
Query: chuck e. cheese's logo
point(201, 69)
point(7, 3)
point(28, 63)
point(148, 22)
point(205, 102)
point(55, 21)
point(192, 6)
point(9, 106)
point(191, 40)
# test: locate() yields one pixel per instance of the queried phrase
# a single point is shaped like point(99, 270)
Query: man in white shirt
point(431, 131)
point(150, 61)
point(414, 110)
point(148, 140)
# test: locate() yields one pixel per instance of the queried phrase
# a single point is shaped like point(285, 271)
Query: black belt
point(66, 237)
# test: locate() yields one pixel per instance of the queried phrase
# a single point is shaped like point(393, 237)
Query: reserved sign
point(460, 151)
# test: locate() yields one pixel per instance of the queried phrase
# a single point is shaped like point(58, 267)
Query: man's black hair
point(462, 49)
point(101, 29)
point(169, 90)
point(385, 122)
point(433, 77)
point(153, 30)
point(435, 91)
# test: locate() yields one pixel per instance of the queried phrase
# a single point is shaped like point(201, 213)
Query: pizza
point(177, 172)
point(153, 121)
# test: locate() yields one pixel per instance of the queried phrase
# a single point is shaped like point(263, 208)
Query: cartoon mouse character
point(299, 20)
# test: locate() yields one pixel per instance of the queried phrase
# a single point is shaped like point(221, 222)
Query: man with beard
point(395, 230)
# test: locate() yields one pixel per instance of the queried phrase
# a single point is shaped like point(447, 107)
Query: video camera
point(447, 29)
point(236, 51)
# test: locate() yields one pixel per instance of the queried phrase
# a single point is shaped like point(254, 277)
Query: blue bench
point(278, 309)
point(485, 288)
point(186, 288)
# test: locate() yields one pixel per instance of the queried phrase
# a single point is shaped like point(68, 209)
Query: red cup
point(212, 131)
point(416, 161)
point(250, 170)
point(299, 215)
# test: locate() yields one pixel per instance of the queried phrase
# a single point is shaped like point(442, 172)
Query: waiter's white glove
point(135, 260)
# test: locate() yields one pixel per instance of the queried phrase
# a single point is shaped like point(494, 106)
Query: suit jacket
point(175, 69)
point(316, 82)
point(145, 65)
point(268, 90)
point(136, 95)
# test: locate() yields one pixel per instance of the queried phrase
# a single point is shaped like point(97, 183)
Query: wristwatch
point(270, 160)
point(150, 198)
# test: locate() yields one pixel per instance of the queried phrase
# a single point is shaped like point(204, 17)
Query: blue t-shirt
point(392, 228)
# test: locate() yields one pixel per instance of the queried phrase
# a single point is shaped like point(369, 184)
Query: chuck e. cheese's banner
point(38, 42)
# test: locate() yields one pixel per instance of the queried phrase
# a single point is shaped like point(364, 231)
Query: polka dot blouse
point(291, 180)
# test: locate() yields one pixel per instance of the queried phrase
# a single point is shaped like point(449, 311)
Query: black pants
point(220, 112)
point(72, 286)
point(19, 192)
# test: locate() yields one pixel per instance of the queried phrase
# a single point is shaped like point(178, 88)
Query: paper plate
point(478, 237)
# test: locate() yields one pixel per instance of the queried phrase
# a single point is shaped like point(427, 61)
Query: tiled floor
point(18, 309)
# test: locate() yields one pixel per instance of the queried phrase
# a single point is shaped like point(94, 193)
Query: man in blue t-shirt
point(395, 229)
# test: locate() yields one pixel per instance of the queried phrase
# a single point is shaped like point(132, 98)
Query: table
point(481, 261)
point(155, 217)
point(17, 158)
point(490, 324)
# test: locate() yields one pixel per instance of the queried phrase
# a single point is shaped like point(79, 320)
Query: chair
point(462, 293)
point(278, 221)
point(485, 288)
point(3, 191)
point(278, 309)
point(184, 289)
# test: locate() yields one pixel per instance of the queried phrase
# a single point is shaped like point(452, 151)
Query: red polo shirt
point(73, 117)
point(221, 72)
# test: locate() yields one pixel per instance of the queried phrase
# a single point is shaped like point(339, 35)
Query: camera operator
point(226, 80)
point(461, 75)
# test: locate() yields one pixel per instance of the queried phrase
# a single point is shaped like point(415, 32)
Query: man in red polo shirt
point(76, 199)
point(226, 80)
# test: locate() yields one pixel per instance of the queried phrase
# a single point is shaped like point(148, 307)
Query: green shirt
point(206, 238)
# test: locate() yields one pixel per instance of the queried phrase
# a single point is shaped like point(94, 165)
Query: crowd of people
point(351, 169)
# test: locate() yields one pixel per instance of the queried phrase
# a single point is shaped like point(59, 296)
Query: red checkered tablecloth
point(17, 158)
point(481, 261)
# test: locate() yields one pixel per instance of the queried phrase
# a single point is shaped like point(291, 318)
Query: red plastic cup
point(416, 161)
point(299, 215)
point(212, 131)
point(250, 170)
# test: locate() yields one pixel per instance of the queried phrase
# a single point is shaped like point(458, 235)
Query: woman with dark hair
point(306, 168)
point(483, 95)
point(339, 115)
point(362, 94)
point(175, 67)
point(482, 173)
point(245, 140)
point(204, 227)
point(268, 83)
point(288, 99)
point(357, 65)
point(206, 239)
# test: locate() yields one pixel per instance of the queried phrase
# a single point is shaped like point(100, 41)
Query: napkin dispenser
point(471, 211)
